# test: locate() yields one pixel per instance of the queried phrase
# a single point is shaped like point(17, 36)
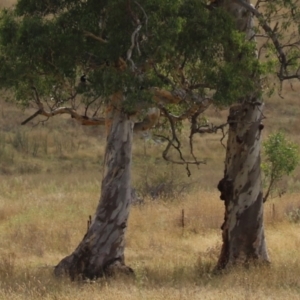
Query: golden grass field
point(43, 217)
point(50, 183)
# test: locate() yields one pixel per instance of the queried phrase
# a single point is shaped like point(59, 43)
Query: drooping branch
point(82, 119)
point(174, 142)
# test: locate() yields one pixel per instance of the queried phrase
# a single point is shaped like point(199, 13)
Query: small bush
point(294, 215)
point(282, 158)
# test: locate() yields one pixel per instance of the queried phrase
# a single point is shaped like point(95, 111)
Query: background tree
point(125, 57)
point(241, 187)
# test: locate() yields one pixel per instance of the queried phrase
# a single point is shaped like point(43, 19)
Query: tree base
point(256, 263)
point(79, 269)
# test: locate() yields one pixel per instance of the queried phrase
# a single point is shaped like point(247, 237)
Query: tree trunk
point(241, 188)
point(102, 249)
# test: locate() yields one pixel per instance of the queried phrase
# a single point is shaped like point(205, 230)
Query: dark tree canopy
point(126, 46)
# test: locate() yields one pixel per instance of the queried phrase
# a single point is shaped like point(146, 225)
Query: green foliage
point(282, 157)
point(46, 45)
point(286, 15)
point(180, 44)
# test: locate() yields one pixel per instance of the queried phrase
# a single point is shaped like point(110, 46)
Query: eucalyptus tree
point(276, 40)
point(122, 64)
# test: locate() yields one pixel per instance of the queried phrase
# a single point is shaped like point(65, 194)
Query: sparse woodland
point(142, 102)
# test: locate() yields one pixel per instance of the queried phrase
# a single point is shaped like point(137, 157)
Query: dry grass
point(50, 185)
point(7, 3)
point(42, 219)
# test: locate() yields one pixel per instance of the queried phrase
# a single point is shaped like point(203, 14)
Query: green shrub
point(282, 158)
point(294, 215)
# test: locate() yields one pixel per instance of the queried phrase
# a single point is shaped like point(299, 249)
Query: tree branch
point(175, 143)
point(31, 117)
point(95, 37)
point(149, 121)
point(82, 119)
point(133, 42)
point(272, 33)
point(146, 17)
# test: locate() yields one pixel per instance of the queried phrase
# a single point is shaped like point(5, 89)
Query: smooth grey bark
point(241, 188)
point(102, 249)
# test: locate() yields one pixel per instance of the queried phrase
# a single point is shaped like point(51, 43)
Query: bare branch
point(288, 77)
point(96, 110)
point(31, 117)
point(95, 37)
point(133, 42)
point(175, 143)
point(146, 17)
point(90, 103)
point(82, 119)
point(196, 128)
point(42, 121)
